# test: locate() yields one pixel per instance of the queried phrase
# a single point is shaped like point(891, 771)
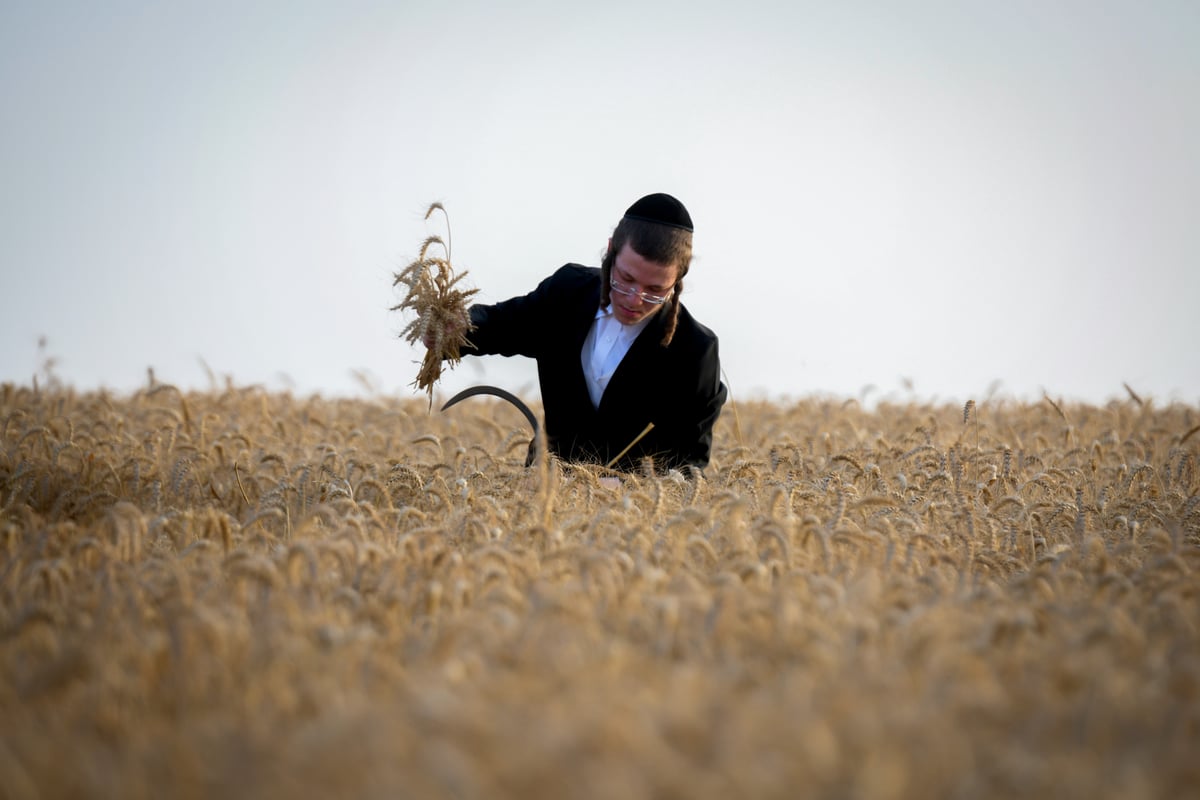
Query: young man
point(615, 348)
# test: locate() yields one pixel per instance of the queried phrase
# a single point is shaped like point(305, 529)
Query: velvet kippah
point(662, 209)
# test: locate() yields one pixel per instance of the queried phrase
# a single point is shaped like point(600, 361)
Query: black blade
point(503, 395)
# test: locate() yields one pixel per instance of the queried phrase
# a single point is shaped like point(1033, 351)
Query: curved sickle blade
point(503, 395)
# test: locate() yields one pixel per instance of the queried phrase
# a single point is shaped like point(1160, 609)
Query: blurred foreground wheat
point(241, 594)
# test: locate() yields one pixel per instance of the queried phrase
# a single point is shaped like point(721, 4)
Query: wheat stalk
point(649, 427)
point(442, 319)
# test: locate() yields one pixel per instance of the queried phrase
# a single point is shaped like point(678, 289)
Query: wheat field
point(239, 593)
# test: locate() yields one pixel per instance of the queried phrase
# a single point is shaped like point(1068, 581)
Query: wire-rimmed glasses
point(629, 291)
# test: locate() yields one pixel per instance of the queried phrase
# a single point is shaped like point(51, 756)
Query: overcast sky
point(947, 195)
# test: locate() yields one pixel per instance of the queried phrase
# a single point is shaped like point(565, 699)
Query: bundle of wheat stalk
point(442, 322)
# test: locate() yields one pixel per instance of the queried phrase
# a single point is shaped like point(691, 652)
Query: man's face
point(632, 272)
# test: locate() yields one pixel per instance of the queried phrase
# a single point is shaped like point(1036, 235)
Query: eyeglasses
point(652, 299)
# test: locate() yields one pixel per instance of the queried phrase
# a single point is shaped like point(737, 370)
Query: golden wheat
point(442, 321)
point(256, 595)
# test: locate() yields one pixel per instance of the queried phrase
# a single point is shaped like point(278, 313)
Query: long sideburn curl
point(672, 312)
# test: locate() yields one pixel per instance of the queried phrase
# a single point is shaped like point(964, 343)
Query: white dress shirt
point(606, 344)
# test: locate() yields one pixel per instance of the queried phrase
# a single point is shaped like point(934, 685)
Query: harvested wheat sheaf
point(442, 322)
point(244, 594)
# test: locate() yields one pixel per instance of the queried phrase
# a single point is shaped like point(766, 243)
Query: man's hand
point(451, 329)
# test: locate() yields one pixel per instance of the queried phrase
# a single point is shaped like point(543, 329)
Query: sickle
point(503, 395)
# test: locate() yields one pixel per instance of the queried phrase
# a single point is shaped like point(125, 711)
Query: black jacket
point(677, 387)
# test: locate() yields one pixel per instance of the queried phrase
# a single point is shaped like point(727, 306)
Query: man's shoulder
point(575, 275)
point(690, 332)
point(571, 284)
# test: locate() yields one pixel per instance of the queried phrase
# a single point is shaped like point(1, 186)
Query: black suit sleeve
point(518, 327)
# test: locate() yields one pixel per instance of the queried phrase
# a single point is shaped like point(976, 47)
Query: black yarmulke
point(662, 209)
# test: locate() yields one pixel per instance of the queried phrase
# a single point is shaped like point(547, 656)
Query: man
point(616, 350)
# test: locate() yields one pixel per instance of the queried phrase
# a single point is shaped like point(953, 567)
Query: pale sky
point(952, 195)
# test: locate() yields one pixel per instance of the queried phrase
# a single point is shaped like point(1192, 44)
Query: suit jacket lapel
point(630, 374)
point(574, 335)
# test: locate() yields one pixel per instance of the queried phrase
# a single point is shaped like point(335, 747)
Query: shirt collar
point(627, 331)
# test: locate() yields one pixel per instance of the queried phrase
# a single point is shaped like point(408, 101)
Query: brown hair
point(662, 244)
